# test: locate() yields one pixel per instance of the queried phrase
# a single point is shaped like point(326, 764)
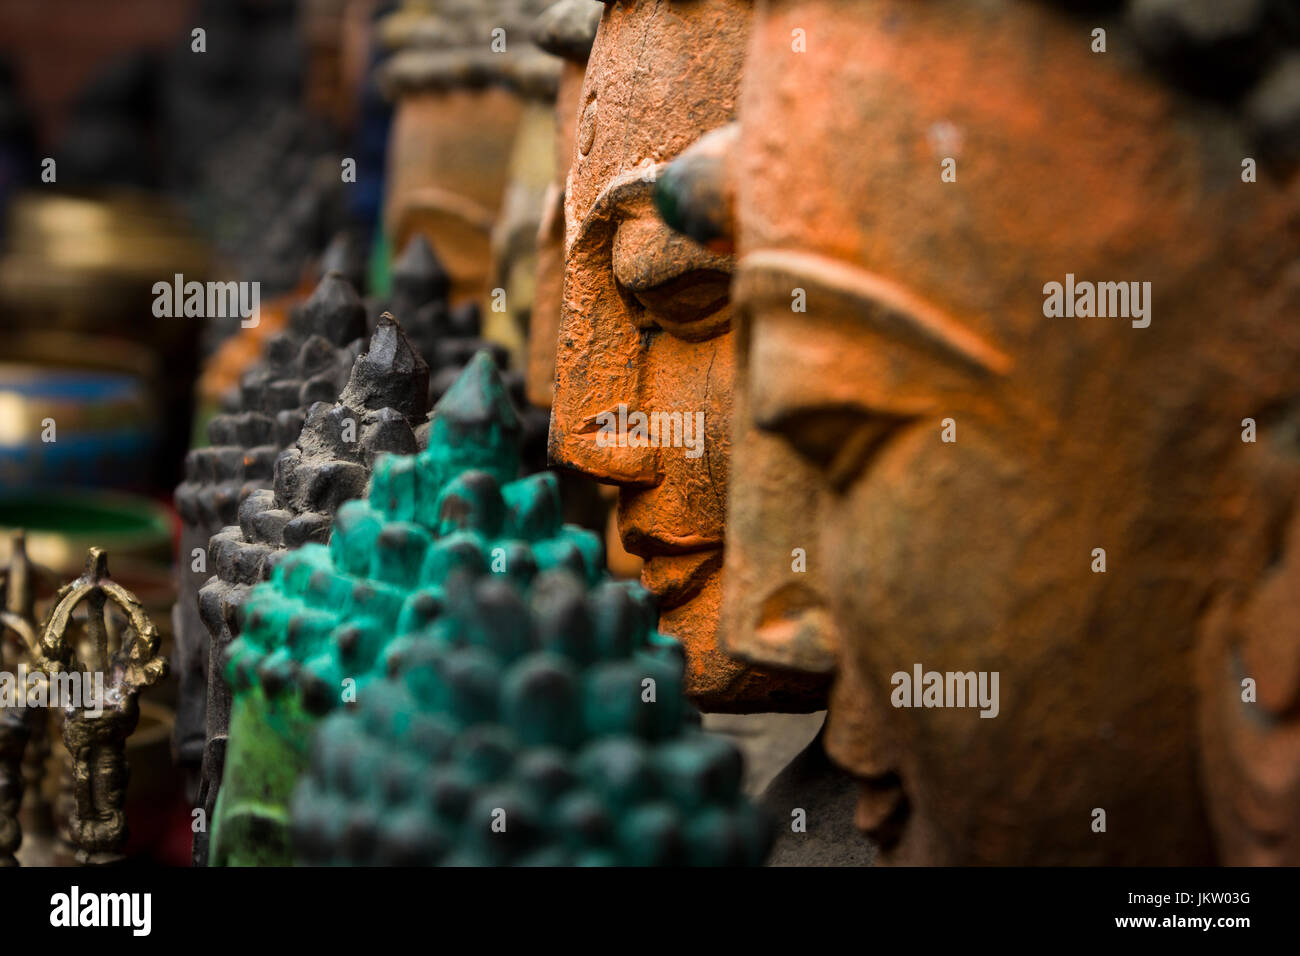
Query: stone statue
point(308, 362)
point(446, 336)
point(645, 334)
point(300, 369)
point(95, 731)
point(1022, 314)
point(378, 411)
point(511, 280)
point(566, 30)
point(537, 722)
point(319, 633)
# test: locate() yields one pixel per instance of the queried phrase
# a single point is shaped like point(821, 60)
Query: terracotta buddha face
point(971, 452)
point(458, 105)
point(449, 158)
point(646, 320)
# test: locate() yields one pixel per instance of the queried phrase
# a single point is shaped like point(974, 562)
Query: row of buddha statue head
point(937, 351)
point(989, 312)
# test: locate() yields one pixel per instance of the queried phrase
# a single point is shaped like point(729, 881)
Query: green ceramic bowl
point(62, 525)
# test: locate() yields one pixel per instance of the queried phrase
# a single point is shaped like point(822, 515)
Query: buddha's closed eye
point(839, 440)
point(840, 361)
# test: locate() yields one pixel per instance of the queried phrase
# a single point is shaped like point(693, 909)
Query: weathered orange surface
point(544, 323)
point(647, 321)
point(1118, 690)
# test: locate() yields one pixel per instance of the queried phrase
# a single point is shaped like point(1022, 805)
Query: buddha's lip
point(650, 544)
point(676, 578)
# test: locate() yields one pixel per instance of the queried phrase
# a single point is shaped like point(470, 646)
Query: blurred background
point(217, 163)
point(133, 149)
point(265, 143)
point(145, 140)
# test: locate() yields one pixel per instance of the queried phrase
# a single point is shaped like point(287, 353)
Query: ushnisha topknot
point(536, 723)
point(306, 363)
point(310, 361)
point(382, 408)
point(446, 44)
point(347, 255)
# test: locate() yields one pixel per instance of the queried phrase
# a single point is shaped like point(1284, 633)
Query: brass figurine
point(95, 732)
point(18, 725)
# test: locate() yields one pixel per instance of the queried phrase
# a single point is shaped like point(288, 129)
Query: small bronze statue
point(95, 732)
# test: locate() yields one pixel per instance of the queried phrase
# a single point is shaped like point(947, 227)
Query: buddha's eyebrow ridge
point(889, 306)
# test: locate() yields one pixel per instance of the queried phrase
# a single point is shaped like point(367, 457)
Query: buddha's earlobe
point(696, 194)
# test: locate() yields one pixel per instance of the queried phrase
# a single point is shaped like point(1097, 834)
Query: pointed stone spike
point(391, 374)
point(334, 311)
point(418, 277)
point(478, 398)
point(346, 256)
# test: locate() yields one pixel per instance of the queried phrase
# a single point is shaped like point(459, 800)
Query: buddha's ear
point(1248, 675)
point(696, 193)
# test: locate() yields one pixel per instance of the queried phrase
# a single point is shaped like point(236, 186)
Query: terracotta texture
point(925, 301)
point(513, 276)
point(775, 598)
point(646, 321)
point(449, 153)
point(567, 29)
